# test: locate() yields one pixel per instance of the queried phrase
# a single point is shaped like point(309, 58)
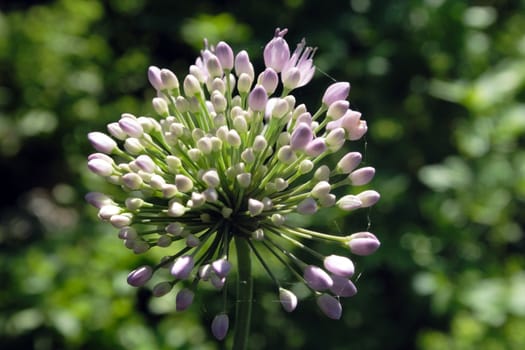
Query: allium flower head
point(225, 161)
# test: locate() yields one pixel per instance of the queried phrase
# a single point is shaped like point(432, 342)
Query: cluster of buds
point(231, 155)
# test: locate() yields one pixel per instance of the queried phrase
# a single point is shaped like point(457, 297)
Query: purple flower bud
point(221, 267)
point(330, 306)
point(269, 80)
point(102, 142)
point(277, 52)
point(368, 198)
point(140, 276)
point(182, 267)
point(132, 181)
point(301, 136)
point(184, 299)
point(169, 79)
point(219, 326)
point(339, 265)
point(291, 78)
point(362, 176)
point(145, 163)
point(349, 162)
point(217, 282)
point(116, 131)
point(224, 53)
point(335, 92)
point(154, 78)
point(213, 66)
point(243, 65)
point(307, 206)
point(349, 202)
point(316, 278)
point(343, 287)
point(363, 243)
point(288, 299)
point(337, 109)
point(257, 99)
point(316, 147)
point(358, 132)
point(100, 167)
point(98, 200)
point(131, 127)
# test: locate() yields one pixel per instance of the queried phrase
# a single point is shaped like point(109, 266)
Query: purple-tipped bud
point(102, 142)
point(257, 99)
point(213, 66)
point(277, 52)
point(100, 167)
point(243, 65)
point(349, 202)
point(145, 163)
point(169, 79)
point(335, 92)
point(317, 278)
point(343, 287)
point(301, 136)
point(154, 78)
point(288, 299)
point(363, 243)
point(219, 326)
point(132, 181)
point(269, 80)
point(116, 131)
point(349, 162)
point(307, 206)
point(221, 267)
point(224, 53)
point(140, 276)
point(362, 176)
point(217, 282)
point(339, 265)
point(316, 147)
point(131, 127)
point(368, 198)
point(98, 200)
point(330, 306)
point(291, 78)
point(182, 267)
point(184, 299)
point(337, 109)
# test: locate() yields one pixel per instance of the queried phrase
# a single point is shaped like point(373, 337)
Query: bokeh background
point(442, 86)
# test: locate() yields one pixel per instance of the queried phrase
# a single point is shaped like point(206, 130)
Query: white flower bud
point(160, 106)
point(321, 189)
point(255, 207)
point(244, 179)
point(307, 206)
point(211, 178)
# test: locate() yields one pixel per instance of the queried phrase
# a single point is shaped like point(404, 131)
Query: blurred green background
point(441, 84)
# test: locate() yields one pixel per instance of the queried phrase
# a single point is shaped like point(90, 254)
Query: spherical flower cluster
point(228, 158)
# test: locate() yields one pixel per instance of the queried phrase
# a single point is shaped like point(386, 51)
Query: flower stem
point(243, 310)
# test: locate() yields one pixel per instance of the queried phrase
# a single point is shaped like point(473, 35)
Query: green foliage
point(441, 84)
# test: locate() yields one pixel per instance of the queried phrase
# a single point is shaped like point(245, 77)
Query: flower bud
point(349, 162)
point(337, 109)
point(211, 178)
point(330, 306)
point(100, 167)
point(133, 146)
point(224, 53)
point(316, 278)
point(243, 65)
point(349, 202)
point(269, 80)
point(154, 78)
point(361, 176)
point(183, 183)
point(343, 287)
point(276, 52)
point(244, 180)
point(213, 66)
point(339, 265)
point(335, 92)
point(307, 206)
point(221, 267)
point(368, 198)
point(321, 189)
point(102, 142)
point(257, 99)
point(219, 326)
point(184, 299)
point(169, 79)
point(191, 85)
point(116, 131)
point(286, 155)
point(288, 299)
point(255, 207)
point(98, 200)
point(316, 147)
point(131, 127)
point(145, 163)
point(160, 106)
point(161, 289)
point(182, 267)
point(176, 209)
point(301, 136)
point(363, 243)
point(140, 276)
point(132, 181)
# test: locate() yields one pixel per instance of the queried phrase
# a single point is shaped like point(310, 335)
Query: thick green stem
point(243, 308)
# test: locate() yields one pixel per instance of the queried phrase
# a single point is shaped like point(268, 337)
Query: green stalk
point(243, 308)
